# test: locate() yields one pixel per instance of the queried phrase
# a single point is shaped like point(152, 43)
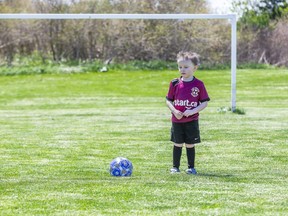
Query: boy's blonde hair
point(188, 55)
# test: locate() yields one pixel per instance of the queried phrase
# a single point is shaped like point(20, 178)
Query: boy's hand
point(188, 113)
point(178, 114)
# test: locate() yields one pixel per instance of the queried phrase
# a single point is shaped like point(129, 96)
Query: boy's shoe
point(191, 171)
point(174, 170)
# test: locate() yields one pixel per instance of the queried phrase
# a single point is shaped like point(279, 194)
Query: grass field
point(59, 132)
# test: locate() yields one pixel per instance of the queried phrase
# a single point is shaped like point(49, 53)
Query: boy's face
point(186, 68)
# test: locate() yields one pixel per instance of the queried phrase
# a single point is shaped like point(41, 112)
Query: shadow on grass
point(225, 177)
point(215, 175)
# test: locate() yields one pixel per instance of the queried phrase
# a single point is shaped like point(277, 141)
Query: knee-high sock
point(190, 157)
point(177, 152)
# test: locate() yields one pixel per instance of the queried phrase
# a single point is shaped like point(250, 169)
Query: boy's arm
point(197, 109)
point(178, 114)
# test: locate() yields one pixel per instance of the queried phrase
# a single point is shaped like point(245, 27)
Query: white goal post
point(231, 17)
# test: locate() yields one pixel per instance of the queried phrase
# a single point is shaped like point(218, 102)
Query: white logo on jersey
point(195, 91)
point(185, 103)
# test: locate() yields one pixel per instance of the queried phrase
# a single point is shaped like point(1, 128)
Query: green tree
point(260, 13)
point(262, 29)
point(274, 8)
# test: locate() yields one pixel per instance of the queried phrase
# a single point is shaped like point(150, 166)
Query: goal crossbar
point(115, 16)
point(231, 17)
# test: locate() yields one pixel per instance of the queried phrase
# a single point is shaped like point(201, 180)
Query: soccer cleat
point(174, 170)
point(191, 171)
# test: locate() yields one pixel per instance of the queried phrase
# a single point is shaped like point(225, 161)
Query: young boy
point(186, 97)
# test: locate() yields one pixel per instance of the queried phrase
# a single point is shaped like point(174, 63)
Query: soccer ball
point(121, 166)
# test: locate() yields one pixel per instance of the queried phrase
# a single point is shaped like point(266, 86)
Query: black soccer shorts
point(185, 132)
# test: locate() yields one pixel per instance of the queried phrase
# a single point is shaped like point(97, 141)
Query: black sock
point(190, 157)
point(177, 152)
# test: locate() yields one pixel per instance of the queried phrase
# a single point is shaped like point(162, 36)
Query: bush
point(28, 66)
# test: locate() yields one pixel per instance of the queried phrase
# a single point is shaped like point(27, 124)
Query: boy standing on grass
point(186, 97)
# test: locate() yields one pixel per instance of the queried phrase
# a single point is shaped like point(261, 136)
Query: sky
point(220, 6)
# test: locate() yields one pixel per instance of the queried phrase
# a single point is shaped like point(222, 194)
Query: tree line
point(128, 40)
point(263, 31)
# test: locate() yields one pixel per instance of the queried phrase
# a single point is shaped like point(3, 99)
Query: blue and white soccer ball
point(121, 166)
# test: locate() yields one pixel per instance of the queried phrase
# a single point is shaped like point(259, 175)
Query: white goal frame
point(230, 17)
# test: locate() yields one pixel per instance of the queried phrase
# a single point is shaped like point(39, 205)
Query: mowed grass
point(59, 132)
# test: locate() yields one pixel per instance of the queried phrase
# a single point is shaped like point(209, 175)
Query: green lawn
point(59, 132)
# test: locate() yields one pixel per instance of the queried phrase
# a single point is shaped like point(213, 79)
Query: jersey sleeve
point(203, 94)
point(170, 94)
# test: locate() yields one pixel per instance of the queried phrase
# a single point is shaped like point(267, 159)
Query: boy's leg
point(190, 151)
point(178, 139)
point(177, 152)
point(192, 136)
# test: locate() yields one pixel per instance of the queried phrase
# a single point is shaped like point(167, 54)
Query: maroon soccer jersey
point(186, 95)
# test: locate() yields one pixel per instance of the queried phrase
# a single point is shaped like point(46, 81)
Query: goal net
point(53, 24)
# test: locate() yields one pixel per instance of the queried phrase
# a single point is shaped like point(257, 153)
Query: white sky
point(220, 6)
